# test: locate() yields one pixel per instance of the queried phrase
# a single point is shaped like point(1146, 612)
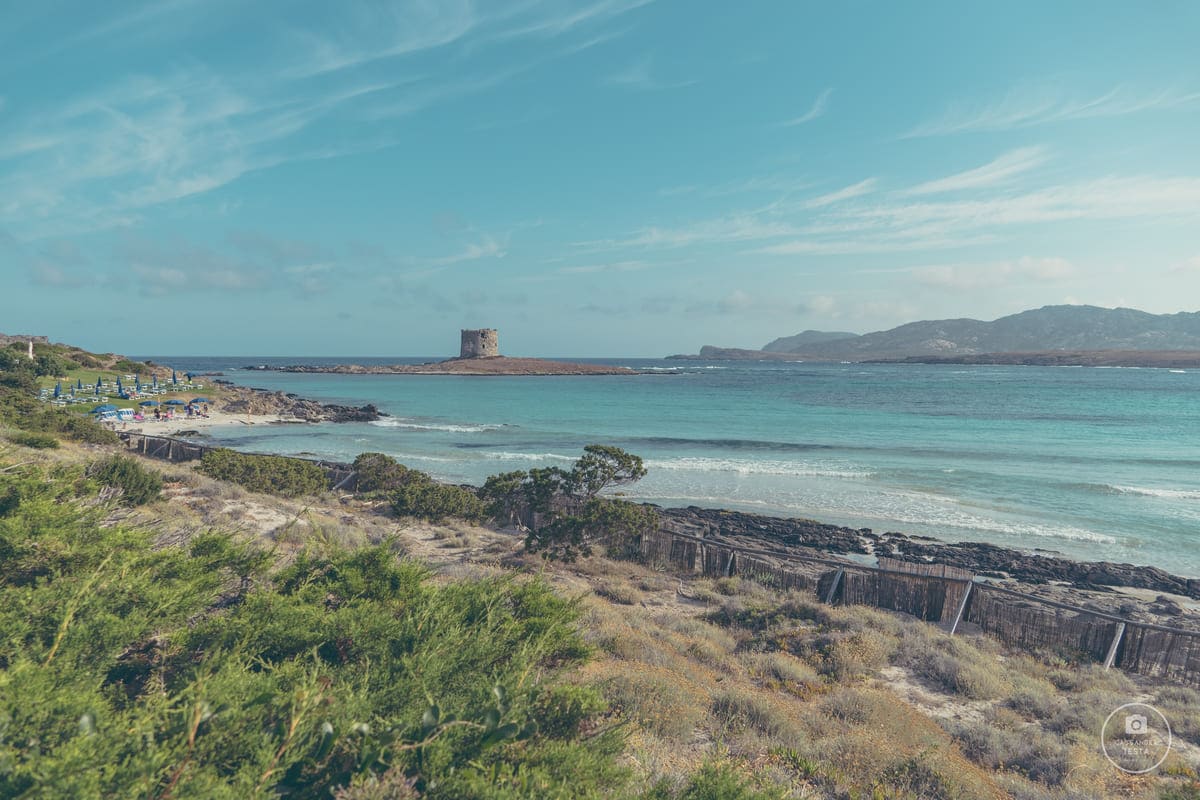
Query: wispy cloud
point(817, 109)
point(996, 274)
point(640, 76)
point(614, 266)
point(848, 193)
point(1026, 107)
point(998, 171)
point(100, 159)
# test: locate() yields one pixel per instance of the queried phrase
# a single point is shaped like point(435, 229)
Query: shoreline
point(1053, 572)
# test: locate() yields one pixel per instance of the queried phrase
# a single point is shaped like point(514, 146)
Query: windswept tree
point(562, 511)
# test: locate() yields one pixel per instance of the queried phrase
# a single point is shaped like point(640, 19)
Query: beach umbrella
point(148, 403)
point(96, 391)
point(189, 377)
point(122, 395)
point(174, 377)
point(137, 383)
point(120, 388)
point(79, 383)
point(201, 400)
point(103, 408)
point(155, 384)
point(58, 389)
point(176, 402)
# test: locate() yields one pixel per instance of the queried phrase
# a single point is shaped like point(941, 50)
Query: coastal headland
point(494, 365)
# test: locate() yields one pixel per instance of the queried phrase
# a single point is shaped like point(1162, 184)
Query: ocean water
point(1089, 462)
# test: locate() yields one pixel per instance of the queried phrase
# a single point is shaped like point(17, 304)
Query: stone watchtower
point(482, 343)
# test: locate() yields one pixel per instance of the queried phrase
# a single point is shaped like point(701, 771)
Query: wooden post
point(833, 587)
point(1112, 648)
point(962, 607)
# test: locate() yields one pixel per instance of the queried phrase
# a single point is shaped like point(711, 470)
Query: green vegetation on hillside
point(286, 477)
point(217, 670)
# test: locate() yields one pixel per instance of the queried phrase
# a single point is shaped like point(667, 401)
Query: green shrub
point(138, 485)
point(427, 499)
point(715, 781)
point(136, 670)
point(37, 441)
point(380, 473)
point(280, 475)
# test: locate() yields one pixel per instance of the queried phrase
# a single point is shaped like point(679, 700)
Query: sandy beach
point(215, 419)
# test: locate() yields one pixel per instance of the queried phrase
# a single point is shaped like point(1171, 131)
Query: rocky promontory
point(495, 365)
point(246, 400)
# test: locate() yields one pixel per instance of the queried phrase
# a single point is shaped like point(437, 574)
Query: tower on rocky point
point(482, 343)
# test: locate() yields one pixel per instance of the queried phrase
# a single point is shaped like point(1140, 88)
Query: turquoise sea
point(1090, 462)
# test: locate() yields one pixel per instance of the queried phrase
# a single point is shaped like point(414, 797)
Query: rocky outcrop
point(243, 400)
point(753, 530)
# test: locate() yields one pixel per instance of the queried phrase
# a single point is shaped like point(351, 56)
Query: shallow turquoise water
point(1094, 463)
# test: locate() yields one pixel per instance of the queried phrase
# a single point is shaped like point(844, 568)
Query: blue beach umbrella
point(155, 384)
point(174, 377)
point(189, 377)
point(148, 403)
point(201, 400)
point(176, 402)
point(58, 389)
point(120, 388)
point(79, 383)
point(102, 408)
point(137, 383)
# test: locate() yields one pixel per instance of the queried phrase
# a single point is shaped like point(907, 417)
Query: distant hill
point(1048, 329)
point(797, 343)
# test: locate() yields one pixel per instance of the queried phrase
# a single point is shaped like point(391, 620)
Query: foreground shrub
point(138, 485)
point(343, 672)
point(286, 477)
point(37, 441)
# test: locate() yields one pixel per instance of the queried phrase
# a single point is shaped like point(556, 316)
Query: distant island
point(479, 354)
point(1053, 335)
point(494, 365)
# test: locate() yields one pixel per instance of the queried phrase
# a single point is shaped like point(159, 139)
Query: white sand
point(215, 419)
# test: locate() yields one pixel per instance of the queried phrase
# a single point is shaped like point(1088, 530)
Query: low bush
point(379, 473)
point(656, 700)
point(1027, 751)
point(279, 475)
point(138, 485)
point(36, 441)
point(426, 499)
point(738, 709)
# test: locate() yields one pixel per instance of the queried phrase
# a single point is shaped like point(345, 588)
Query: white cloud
point(998, 171)
point(640, 76)
point(1189, 265)
point(1029, 106)
point(848, 193)
point(817, 109)
point(992, 275)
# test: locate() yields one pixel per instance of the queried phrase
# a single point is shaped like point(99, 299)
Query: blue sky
point(593, 177)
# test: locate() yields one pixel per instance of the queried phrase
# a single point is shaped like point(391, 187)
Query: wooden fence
point(945, 595)
point(933, 592)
